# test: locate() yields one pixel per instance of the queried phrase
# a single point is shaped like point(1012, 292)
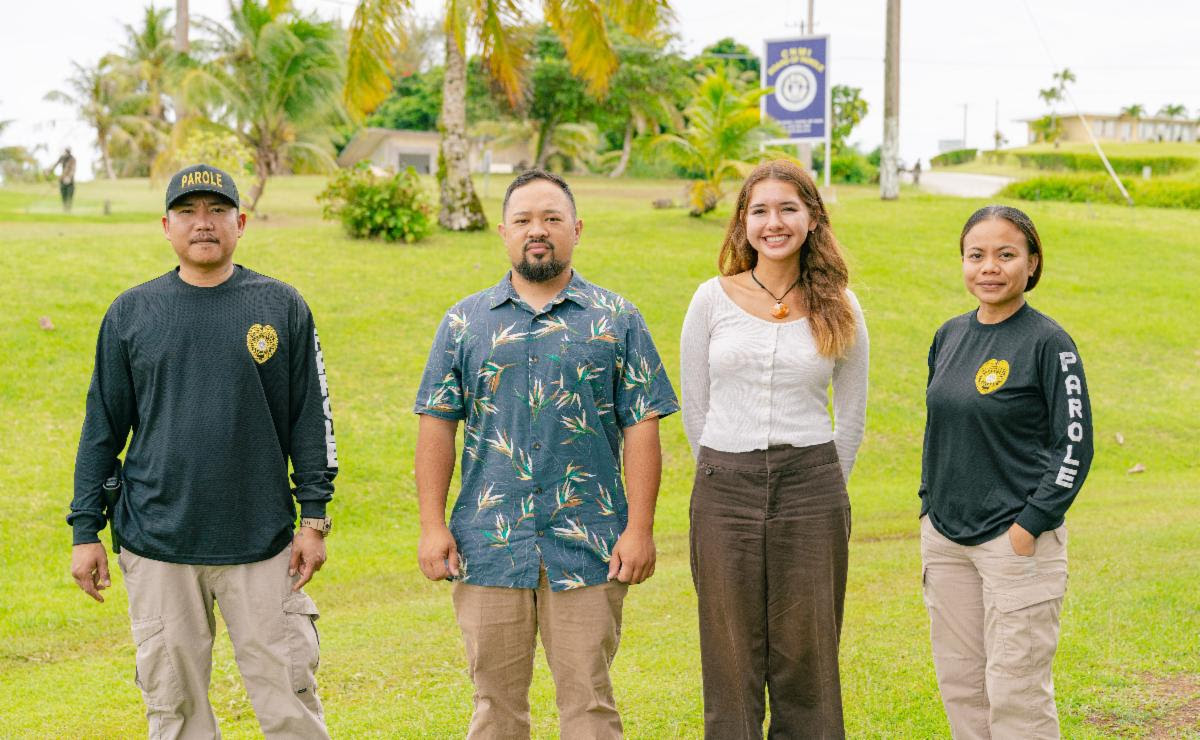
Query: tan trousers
point(580, 631)
point(274, 639)
point(993, 622)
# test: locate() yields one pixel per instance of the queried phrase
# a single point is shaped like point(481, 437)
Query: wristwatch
point(324, 526)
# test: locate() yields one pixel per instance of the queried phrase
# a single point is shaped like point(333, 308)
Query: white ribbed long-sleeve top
point(748, 383)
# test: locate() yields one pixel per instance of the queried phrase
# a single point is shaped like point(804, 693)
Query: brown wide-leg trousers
point(770, 531)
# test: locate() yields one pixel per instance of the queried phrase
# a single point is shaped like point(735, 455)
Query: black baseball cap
point(201, 178)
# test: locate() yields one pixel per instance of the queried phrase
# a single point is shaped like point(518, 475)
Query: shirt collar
point(576, 291)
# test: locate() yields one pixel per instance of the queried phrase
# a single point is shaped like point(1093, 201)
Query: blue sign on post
point(798, 70)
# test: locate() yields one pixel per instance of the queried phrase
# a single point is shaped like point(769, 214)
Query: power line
point(1027, 65)
point(1071, 99)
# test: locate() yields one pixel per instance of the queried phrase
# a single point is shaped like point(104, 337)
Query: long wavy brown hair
point(823, 272)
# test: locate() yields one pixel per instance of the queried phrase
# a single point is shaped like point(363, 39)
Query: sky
point(963, 62)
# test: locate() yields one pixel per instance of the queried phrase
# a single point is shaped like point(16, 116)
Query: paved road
point(963, 184)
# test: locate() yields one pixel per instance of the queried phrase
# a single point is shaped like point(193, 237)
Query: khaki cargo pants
point(274, 637)
point(993, 622)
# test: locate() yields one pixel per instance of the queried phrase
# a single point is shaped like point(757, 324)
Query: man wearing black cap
point(218, 372)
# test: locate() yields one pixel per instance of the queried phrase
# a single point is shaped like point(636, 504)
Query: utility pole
point(181, 26)
point(964, 125)
point(809, 27)
point(181, 47)
point(889, 166)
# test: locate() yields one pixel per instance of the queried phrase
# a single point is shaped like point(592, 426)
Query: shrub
point(848, 166)
point(1088, 162)
point(993, 156)
point(209, 145)
point(1068, 188)
point(1165, 193)
point(852, 168)
point(395, 208)
point(955, 156)
point(1099, 188)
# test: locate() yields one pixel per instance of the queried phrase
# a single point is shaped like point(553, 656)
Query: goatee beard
point(540, 272)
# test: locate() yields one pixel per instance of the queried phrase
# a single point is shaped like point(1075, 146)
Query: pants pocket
point(304, 642)
point(154, 671)
point(1027, 616)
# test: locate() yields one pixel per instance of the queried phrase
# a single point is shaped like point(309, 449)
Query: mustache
point(538, 242)
point(204, 238)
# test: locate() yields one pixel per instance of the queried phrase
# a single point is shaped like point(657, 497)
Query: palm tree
point(722, 138)
point(571, 146)
point(1173, 111)
point(275, 83)
point(646, 89)
point(1063, 78)
point(149, 59)
point(1135, 111)
point(1055, 94)
point(110, 103)
point(150, 54)
point(498, 26)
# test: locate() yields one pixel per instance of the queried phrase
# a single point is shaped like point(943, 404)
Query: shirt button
point(537, 445)
point(541, 532)
point(533, 359)
point(538, 489)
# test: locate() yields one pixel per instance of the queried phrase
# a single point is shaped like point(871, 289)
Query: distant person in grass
point(770, 515)
point(218, 372)
point(1008, 444)
point(66, 178)
point(558, 382)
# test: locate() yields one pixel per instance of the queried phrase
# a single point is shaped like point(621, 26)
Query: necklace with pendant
point(780, 311)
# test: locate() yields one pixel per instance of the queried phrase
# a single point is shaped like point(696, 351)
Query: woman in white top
point(770, 517)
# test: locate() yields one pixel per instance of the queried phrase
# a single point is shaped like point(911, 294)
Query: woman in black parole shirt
point(1008, 443)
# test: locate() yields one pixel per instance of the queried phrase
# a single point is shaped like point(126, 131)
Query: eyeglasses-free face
point(997, 266)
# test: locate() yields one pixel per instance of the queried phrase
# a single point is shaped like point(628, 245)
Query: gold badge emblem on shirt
point(991, 375)
point(262, 341)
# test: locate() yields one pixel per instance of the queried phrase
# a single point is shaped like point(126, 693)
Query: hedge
point(1162, 193)
point(1088, 162)
point(956, 156)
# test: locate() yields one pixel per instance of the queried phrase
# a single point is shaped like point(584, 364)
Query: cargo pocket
point(304, 643)
point(154, 671)
point(1026, 617)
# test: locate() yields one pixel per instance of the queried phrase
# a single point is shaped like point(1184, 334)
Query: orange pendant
point(780, 311)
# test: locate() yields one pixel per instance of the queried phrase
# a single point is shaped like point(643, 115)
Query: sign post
point(798, 70)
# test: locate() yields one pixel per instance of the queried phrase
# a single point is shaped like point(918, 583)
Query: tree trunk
point(626, 150)
point(545, 131)
point(889, 166)
point(460, 209)
point(105, 159)
point(260, 184)
point(262, 170)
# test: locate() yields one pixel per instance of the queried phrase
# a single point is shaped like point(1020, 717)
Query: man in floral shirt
point(557, 381)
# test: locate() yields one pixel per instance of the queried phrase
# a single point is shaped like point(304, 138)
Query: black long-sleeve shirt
point(220, 387)
point(1008, 430)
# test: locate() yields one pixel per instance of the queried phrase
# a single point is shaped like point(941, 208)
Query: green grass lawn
point(1121, 280)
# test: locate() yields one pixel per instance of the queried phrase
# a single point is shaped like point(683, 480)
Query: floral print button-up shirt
point(545, 395)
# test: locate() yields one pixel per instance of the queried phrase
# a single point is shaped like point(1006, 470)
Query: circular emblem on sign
point(795, 88)
point(991, 376)
point(262, 341)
